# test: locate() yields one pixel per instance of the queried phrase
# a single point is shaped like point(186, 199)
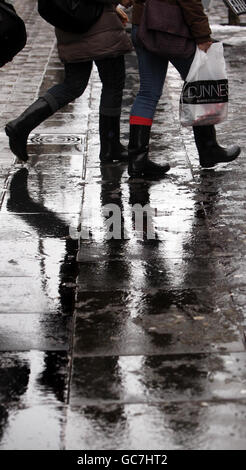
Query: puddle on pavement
point(33, 391)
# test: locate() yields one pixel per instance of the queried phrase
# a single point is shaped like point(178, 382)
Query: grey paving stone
point(53, 184)
point(26, 331)
point(164, 426)
point(38, 223)
point(118, 275)
point(156, 379)
point(33, 389)
point(156, 321)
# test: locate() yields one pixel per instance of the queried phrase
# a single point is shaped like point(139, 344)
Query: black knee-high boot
point(210, 152)
point(138, 149)
point(19, 129)
point(110, 147)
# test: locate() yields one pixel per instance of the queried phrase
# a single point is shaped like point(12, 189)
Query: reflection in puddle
point(39, 383)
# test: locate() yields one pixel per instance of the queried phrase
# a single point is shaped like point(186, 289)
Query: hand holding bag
point(204, 97)
point(164, 32)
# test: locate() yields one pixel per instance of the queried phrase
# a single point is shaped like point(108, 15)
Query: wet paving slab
point(6, 158)
point(29, 295)
point(238, 298)
point(153, 249)
point(33, 391)
point(52, 185)
point(153, 379)
point(26, 428)
point(175, 221)
point(24, 258)
point(171, 426)
point(38, 331)
point(156, 321)
point(38, 269)
point(29, 225)
point(108, 275)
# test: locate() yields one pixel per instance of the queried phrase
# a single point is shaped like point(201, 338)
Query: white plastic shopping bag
point(204, 97)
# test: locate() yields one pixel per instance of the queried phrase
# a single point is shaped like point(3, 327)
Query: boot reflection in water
point(47, 224)
point(45, 221)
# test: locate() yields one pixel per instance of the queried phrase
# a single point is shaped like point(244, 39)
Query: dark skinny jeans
point(112, 75)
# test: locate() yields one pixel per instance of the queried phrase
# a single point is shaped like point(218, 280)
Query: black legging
point(112, 75)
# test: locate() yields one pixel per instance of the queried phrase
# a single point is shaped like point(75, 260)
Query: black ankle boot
point(138, 149)
point(210, 152)
point(111, 148)
point(19, 129)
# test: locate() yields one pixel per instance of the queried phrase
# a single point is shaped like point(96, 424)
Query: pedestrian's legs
point(75, 81)
point(210, 152)
point(152, 71)
point(112, 75)
point(152, 74)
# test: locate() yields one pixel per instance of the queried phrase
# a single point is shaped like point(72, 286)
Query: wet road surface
point(129, 343)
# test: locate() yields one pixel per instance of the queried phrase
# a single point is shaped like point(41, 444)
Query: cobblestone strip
point(21, 79)
point(23, 76)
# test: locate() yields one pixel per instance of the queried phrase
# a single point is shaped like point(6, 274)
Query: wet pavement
point(129, 343)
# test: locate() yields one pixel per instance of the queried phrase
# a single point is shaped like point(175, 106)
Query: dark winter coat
point(106, 38)
point(193, 13)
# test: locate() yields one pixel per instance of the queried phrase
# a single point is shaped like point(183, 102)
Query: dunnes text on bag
point(204, 97)
point(206, 91)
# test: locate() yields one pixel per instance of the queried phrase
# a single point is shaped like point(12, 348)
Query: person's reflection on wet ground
point(43, 220)
point(30, 381)
point(54, 374)
point(106, 420)
point(165, 375)
point(14, 378)
point(104, 371)
point(111, 193)
point(149, 249)
point(208, 188)
point(47, 224)
point(185, 375)
point(139, 194)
